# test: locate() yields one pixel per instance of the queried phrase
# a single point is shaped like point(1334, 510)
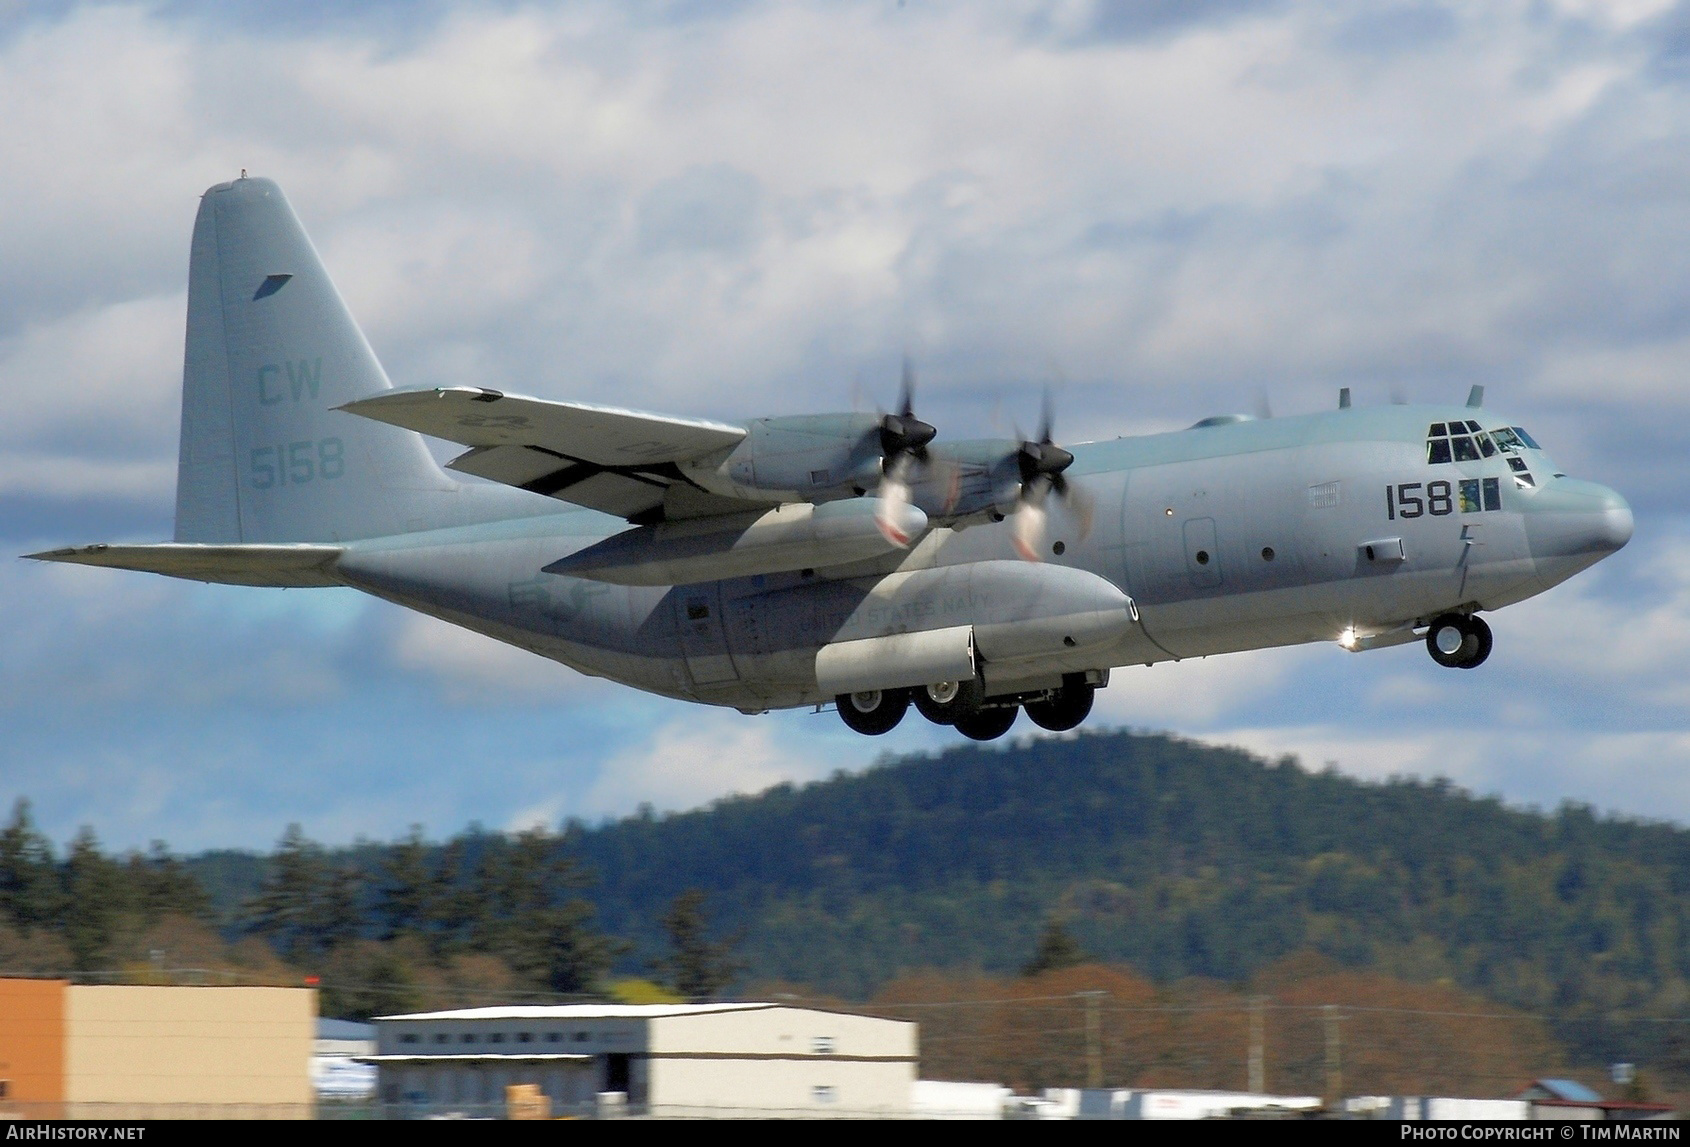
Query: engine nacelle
point(790, 537)
point(805, 458)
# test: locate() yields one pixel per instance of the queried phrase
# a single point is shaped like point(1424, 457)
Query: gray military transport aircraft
point(849, 559)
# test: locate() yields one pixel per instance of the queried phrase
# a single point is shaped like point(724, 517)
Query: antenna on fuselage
point(1343, 398)
point(1476, 397)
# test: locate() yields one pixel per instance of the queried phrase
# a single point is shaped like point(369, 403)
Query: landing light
point(1348, 638)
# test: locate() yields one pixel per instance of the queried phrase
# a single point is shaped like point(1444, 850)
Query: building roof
point(344, 1030)
point(484, 1057)
point(579, 1011)
point(1568, 1089)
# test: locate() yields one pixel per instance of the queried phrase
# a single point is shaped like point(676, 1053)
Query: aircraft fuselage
point(1243, 535)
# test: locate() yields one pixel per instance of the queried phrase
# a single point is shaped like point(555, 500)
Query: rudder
point(271, 350)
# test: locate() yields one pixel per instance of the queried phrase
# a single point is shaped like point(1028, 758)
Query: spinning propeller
point(903, 446)
point(1041, 465)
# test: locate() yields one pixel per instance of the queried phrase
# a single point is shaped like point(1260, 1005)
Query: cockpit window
point(1526, 438)
point(1464, 442)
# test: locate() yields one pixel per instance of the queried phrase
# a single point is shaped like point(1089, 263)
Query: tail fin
point(271, 349)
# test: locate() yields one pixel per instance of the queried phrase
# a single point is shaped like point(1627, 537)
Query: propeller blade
point(903, 432)
point(894, 496)
point(1027, 531)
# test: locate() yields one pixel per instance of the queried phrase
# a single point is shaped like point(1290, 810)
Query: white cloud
point(472, 668)
point(1198, 691)
point(109, 375)
point(697, 759)
point(1174, 222)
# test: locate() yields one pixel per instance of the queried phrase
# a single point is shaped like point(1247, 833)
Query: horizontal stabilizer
point(267, 565)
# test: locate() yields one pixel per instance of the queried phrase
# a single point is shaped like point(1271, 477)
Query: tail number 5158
point(296, 463)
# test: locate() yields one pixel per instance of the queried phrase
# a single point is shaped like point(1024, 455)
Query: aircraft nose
point(1617, 523)
point(1573, 519)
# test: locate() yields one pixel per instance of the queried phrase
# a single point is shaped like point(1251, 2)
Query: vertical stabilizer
point(271, 349)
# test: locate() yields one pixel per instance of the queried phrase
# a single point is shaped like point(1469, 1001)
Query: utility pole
point(1094, 1038)
point(1334, 1056)
point(1257, 1084)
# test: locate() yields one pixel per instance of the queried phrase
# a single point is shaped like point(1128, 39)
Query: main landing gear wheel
point(874, 712)
point(986, 724)
point(1064, 709)
point(1458, 641)
point(947, 701)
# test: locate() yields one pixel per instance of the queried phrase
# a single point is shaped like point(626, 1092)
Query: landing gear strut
point(1458, 641)
point(875, 711)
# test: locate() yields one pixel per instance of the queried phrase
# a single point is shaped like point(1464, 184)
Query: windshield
point(1457, 442)
point(1464, 441)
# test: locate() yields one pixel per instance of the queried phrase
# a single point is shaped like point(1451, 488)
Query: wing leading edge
point(622, 462)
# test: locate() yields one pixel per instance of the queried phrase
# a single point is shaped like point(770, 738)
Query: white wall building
point(339, 1067)
point(669, 1059)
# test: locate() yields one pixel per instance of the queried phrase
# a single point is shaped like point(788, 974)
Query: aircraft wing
point(623, 462)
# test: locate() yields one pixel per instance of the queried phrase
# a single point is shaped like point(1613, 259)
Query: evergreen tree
point(543, 927)
point(163, 886)
point(285, 909)
point(451, 904)
point(30, 893)
point(1057, 949)
point(95, 902)
point(696, 969)
point(405, 886)
point(336, 913)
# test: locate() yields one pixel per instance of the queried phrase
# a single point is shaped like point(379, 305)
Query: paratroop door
point(698, 619)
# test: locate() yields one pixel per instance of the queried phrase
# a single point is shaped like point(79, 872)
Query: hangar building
point(109, 1051)
point(666, 1059)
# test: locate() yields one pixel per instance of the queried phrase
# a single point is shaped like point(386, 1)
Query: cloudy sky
point(1168, 209)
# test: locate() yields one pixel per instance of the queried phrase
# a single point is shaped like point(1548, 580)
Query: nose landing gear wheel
point(986, 724)
point(1063, 711)
point(1458, 641)
point(873, 712)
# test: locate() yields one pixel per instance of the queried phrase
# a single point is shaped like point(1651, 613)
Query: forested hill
point(1178, 858)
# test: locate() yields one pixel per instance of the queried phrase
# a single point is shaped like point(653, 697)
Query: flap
point(621, 462)
point(601, 435)
point(268, 565)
